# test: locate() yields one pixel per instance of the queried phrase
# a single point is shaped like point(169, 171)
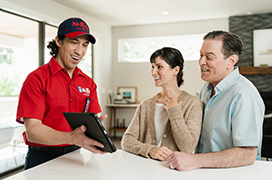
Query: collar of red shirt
point(54, 67)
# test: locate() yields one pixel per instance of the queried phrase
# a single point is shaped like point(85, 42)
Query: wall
point(138, 74)
point(244, 26)
point(54, 13)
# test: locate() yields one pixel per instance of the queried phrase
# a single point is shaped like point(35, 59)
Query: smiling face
point(71, 52)
point(214, 67)
point(163, 74)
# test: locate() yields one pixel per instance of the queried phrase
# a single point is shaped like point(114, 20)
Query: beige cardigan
point(181, 133)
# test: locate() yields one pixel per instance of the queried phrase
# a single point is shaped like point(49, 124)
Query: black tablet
point(95, 129)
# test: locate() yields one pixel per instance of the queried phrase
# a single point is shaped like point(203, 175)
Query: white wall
point(138, 74)
point(54, 13)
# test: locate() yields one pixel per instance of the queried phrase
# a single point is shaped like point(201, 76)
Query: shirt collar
point(226, 81)
point(79, 72)
point(55, 67)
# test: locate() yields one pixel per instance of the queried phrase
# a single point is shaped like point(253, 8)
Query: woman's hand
point(159, 153)
point(171, 102)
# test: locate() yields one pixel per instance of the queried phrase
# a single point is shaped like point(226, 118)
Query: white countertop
point(121, 165)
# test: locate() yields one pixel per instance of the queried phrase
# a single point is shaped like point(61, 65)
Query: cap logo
point(81, 25)
point(75, 24)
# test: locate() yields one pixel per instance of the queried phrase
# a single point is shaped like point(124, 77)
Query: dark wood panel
point(255, 70)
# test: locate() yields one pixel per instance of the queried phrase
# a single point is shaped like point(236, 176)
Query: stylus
point(87, 104)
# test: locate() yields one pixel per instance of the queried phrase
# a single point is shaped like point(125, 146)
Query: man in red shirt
point(57, 87)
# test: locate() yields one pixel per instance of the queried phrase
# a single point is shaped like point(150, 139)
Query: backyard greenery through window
point(9, 81)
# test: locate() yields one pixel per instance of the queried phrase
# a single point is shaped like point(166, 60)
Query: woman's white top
point(161, 118)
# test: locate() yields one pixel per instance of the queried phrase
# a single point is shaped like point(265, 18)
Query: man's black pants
point(38, 155)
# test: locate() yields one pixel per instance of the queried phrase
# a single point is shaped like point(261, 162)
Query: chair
point(267, 138)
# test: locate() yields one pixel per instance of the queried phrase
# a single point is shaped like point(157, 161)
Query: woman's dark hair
point(173, 58)
point(54, 49)
point(232, 44)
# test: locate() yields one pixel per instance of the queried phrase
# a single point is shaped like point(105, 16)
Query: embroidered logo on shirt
point(84, 91)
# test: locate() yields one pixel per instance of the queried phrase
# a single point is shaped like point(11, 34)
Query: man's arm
point(233, 157)
point(36, 132)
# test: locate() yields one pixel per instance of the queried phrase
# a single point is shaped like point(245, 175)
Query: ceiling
point(135, 12)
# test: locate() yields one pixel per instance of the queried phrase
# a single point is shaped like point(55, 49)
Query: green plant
point(9, 86)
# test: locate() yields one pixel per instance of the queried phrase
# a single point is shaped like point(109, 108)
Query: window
point(140, 49)
point(86, 63)
point(18, 52)
point(50, 33)
point(18, 57)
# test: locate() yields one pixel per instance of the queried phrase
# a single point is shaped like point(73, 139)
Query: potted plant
point(119, 96)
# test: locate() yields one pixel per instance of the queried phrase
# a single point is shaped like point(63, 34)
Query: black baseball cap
point(74, 27)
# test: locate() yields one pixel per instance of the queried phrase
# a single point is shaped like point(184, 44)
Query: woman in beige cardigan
point(170, 120)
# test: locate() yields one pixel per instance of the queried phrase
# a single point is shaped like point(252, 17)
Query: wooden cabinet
point(113, 123)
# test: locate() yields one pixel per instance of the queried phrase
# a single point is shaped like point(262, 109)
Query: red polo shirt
point(48, 91)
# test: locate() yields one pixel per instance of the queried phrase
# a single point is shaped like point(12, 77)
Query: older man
point(232, 123)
